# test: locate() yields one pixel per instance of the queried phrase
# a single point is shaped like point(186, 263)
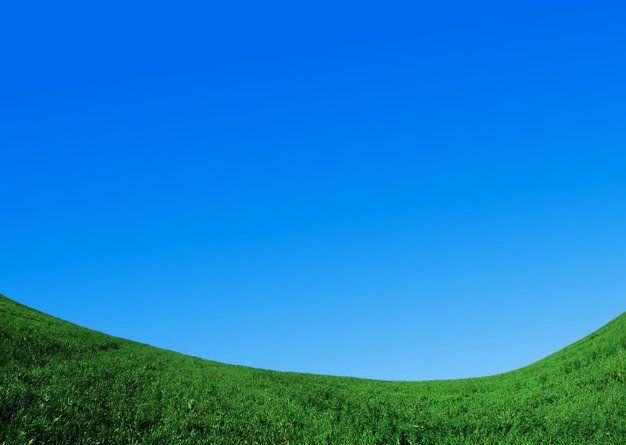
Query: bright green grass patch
point(63, 384)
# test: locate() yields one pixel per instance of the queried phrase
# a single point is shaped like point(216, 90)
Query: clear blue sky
point(386, 190)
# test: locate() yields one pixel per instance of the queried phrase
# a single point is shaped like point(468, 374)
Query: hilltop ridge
point(61, 383)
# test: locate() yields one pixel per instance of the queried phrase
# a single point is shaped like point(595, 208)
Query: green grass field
point(64, 384)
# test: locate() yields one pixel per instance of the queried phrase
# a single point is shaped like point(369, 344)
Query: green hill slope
point(63, 384)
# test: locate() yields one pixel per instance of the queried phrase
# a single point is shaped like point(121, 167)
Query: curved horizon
point(590, 334)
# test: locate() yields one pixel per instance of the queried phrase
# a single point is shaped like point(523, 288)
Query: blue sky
point(397, 191)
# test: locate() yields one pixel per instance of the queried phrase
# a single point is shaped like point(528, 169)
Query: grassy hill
point(63, 384)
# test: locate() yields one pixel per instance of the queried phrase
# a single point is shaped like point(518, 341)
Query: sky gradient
point(397, 192)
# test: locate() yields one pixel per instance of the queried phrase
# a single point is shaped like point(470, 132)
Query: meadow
point(64, 384)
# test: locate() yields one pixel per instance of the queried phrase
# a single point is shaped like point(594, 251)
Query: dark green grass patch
point(63, 384)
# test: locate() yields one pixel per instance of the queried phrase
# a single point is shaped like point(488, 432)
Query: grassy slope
point(60, 383)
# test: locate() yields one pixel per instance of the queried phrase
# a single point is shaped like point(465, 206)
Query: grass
point(63, 384)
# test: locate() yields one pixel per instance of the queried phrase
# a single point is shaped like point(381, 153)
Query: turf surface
point(64, 384)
